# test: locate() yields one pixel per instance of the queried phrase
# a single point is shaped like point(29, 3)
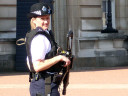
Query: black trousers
point(37, 88)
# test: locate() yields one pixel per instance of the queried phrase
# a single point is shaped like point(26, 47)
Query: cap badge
point(44, 8)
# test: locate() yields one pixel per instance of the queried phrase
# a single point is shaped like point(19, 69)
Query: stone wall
point(122, 15)
point(7, 34)
point(91, 47)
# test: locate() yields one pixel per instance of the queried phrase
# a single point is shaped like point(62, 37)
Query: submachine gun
point(67, 53)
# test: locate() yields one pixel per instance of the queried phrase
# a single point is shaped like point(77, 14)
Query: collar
point(39, 29)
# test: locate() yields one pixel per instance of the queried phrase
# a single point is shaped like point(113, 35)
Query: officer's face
point(42, 21)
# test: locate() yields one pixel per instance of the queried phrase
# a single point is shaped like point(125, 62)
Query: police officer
point(41, 50)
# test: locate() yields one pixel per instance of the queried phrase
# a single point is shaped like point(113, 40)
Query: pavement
point(100, 82)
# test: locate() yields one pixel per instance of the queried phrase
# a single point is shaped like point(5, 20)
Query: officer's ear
point(34, 20)
point(33, 23)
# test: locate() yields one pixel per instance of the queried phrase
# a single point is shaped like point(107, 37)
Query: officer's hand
point(66, 60)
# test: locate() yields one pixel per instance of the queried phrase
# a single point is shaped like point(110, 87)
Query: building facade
point(7, 34)
point(86, 18)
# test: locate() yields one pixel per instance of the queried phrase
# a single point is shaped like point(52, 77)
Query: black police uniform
point(39, 84)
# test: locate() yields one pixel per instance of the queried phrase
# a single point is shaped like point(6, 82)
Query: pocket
point(38, 85)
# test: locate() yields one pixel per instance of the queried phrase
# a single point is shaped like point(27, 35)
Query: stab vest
point(29, 36)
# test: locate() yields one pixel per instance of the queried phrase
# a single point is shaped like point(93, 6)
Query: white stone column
point(60, 22)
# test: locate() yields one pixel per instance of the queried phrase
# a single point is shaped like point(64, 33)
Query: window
point(105, 11)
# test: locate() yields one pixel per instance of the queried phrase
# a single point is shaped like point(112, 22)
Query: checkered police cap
point(39, 9)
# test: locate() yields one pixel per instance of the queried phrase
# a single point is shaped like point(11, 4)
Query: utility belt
point(54, 76)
